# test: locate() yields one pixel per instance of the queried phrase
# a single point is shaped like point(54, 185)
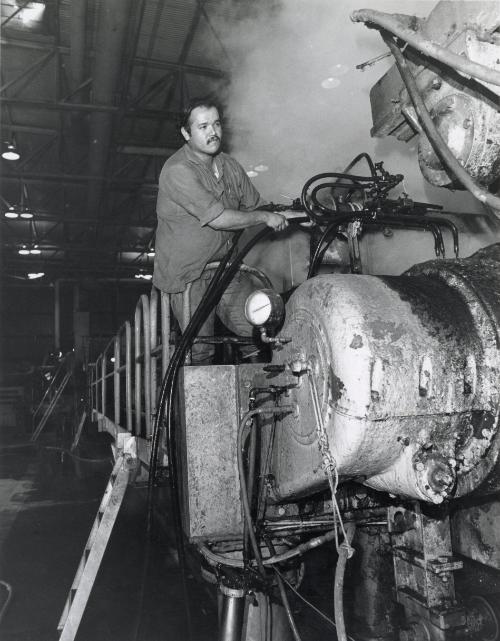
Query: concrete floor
point(48, 502)
point(47, 506)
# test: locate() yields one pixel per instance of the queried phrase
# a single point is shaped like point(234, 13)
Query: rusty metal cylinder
point(407, 371)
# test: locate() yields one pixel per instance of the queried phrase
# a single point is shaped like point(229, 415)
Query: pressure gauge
point(264, 307)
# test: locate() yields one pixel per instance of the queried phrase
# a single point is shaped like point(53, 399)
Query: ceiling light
point(144, 276)
point(151, 252)
point(251, 173)
point(35, 250)
point(33, 275)
point(32, 12)
point(24, 251)
point(339, 70)
point(11, 213)
point(330, 83)
point(10, 152)
point(26, 213)
point(261, 168)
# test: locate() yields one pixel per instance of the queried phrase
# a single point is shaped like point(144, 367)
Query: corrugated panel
point(207, 48)
point(164, 28)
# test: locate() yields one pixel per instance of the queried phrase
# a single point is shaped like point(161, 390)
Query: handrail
point(64, 366)
point(124, 397)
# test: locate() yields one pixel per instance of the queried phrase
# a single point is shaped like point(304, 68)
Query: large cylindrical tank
point(407, 370)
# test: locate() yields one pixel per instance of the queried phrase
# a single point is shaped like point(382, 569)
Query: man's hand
point(273, 220)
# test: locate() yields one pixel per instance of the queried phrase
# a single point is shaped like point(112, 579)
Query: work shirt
point(191, 196)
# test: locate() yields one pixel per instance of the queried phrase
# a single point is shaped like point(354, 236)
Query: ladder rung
point(93, 552)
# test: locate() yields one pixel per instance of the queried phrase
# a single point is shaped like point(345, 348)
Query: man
point(204, 196)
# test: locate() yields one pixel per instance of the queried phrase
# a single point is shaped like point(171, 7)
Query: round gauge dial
point(264, 307)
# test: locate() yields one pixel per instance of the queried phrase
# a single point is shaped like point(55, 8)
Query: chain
point(329, 462)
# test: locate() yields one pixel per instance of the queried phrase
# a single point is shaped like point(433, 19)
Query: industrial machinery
point(369, 430)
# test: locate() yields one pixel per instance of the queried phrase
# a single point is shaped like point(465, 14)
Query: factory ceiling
point(90, 96)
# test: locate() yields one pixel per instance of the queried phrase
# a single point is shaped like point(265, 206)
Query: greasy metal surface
point(407, 372)
point(423, 569)
point(213, 400)
point(373, 602)
point(475, 532)
point(466, 113)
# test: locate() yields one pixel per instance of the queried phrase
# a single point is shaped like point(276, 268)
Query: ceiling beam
point(73, 178)
point(28, 129)
point(65, 220)
point(163, 152)
point(154, 63)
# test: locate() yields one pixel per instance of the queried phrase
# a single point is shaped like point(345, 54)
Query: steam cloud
point(296, 103)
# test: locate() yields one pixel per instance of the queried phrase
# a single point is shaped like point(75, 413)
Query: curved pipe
point(431, 131)
point(345, 553)
point(389, 23)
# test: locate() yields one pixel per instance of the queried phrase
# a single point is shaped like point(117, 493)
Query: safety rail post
point(103, 383)
point(128, 376)
point(138, 366)
point(145, 356)
point(153, 317)
point(165, 332)
point(116, 378)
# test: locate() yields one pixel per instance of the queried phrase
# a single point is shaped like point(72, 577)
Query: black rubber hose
point(362, 156)
point(325, 219)
point(325, 240)
point(283, 595)
point(432, 133)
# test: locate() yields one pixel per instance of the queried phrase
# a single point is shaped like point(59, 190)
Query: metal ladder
point(53, 394)
point(96, 545)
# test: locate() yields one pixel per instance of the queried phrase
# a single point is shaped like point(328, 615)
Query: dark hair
point(207, 102)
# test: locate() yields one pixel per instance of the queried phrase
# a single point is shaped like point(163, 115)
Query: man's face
point(206, 131)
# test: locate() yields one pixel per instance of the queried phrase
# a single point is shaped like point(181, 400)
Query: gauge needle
point(257, 309)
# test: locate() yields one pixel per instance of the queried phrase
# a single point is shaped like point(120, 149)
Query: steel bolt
point(437, 83)
point(467, 124)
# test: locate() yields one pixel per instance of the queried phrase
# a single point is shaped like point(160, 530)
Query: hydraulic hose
point(338, 591)
point(283, 595)
point(431, 131)
point(362, 156)
point(389, 23)
point(241, 471)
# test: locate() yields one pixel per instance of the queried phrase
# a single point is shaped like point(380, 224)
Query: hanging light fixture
point(11, 212)
point(151, 252)
point(10, 151)
point(23, 250)
point(34, 275)
point(26, 213)
point(35, 250)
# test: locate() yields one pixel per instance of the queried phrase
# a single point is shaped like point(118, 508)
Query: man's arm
point(232, 219)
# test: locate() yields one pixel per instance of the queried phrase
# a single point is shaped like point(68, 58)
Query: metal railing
point(124, 380)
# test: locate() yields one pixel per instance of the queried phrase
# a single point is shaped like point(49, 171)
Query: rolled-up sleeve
point(187, 190)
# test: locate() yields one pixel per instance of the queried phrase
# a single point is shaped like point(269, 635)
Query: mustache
point(214, 138)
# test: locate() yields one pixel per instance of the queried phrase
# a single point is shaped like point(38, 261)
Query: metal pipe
point(233, 610)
